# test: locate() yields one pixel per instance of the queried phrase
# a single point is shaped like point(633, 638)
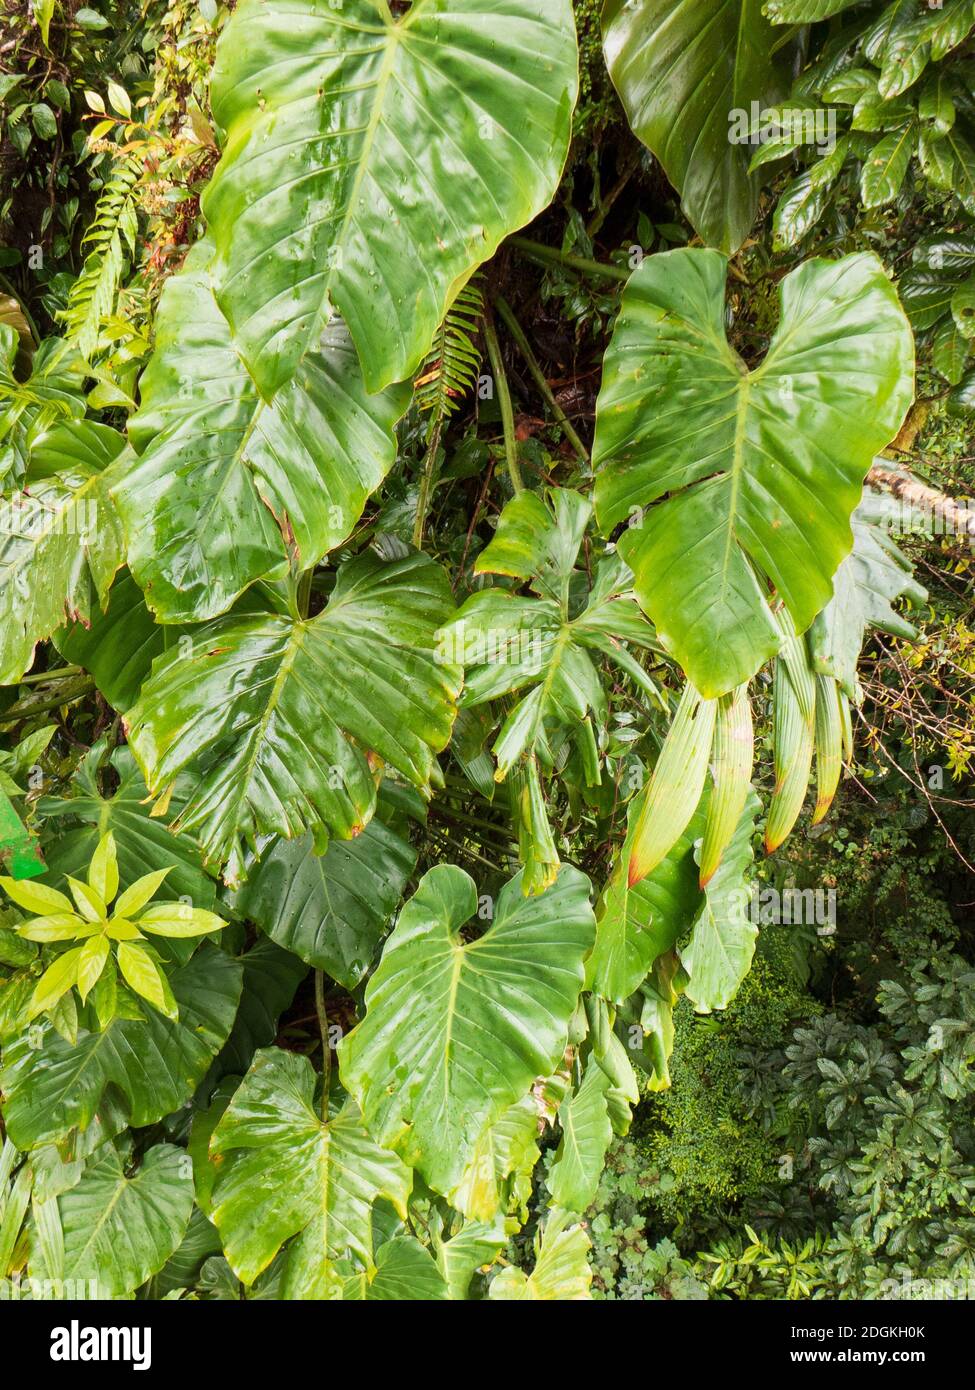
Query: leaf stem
point(26, 709)
point(426, 482)
point(321, 1009)
point(59, 673)
point(517, 332)
point(549, 255)
point(504, 400)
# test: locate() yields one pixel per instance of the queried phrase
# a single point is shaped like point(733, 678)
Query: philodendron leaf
point(746, 475)
point(150, 1066)
point(118, 646)
point(586, 1135)
point(794, 701)
point(280, 721)
point(676, 786)
point(874, 574)
point(120, 1229)
point(455, 1033)
point(477, 1243)
point(375, 162)
point(283, 1173)
point(635, 925)
point(722, 940)
point(733, 753)
point(687, 72)
point(60, 541)
point(561, 1272)
point(330, 909)
point(229, 489)
point(404, 1272)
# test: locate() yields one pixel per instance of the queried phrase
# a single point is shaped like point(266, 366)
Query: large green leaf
point(722, 940)
point(586, 1135)
point(141, 842)
point(404, 1272)
point(229, 489)
point(284, 1173)
point(454, 1033)
point(374, 163)
point(270, 979)
point(275, 718)
point(150, 1067)
point(60, 541)
point(874, 574)
point(745, 475)
point(635, 925)
point(119, 645)
point(330, 909)
point(477, 1243)
point(561, 1272)
point(683, 68)
point(118, 1228)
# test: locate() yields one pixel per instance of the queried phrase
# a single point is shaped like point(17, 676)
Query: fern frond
point(113, 231)
point(451, 367)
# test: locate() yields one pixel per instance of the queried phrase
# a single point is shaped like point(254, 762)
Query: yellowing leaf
point(138, 894)
point(120, 929)
point(59, 926)
point(142, 973)
point(91, 963)
point(35, 897)
point(103, 870)
point(56, 981)
point(89, 902)
point(179, 919)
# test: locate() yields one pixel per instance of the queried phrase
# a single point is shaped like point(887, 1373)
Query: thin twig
point(504, 400)
point(521, 341)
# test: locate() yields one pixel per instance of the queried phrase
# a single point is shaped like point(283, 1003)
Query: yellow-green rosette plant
point(109, 936)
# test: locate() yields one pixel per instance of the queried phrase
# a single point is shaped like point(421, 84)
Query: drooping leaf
point(60, 541)
point(586, 1135)
point(151, 1066)
point(794, 725)
point(375, 162)
point(733, 465)
point(561, 1272)
point(229, 489)
point(733, 753)
point(676, 786)
point(869, 579)
point(283, 1173)
point(683, 69)
point(722, 940)
point(331, 909)
point(263, 711)
point(635, 925)
point(119, 1229)
point(454, 1033)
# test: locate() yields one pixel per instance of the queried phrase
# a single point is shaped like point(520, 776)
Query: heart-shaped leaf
point(375, 162)
point(227, 488)
point(454, 1033)
point(282, 1172)
point(278, 720)
point(746, 475)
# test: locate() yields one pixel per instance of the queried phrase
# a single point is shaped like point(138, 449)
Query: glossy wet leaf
point(726, 467)
point(455, 1032)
